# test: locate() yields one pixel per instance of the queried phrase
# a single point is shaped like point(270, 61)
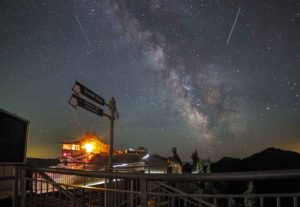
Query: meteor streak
point(236, 18)
point(82, 30)
point(75, 117)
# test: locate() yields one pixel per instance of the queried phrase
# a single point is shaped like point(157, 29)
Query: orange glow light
point(88, 147)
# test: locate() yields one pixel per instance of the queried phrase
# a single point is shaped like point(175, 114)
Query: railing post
point(15, 187)
point(130, 200)
point(261, 202)
point(230, 202)
point(172, 201)
point(184, 202)
point(278, 201)
point(105, 194)
point(295, 201)
point(22, 174)
point(215, 202)
point(143, 192)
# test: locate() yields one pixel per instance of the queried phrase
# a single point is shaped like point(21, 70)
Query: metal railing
point(63, 187)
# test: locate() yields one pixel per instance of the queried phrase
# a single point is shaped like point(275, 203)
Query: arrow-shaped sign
point(75, 101)
point(78, 88)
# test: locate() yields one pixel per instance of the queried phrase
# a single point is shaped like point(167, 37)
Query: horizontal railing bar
point(4, 178)
point(141, 187)
point(232, 176)
point(176, 191)
point(84, 187)
point(4, 164)
point(285, 195)
point(99, 163)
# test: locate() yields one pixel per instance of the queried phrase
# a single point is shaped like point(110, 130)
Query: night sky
point(180, 77)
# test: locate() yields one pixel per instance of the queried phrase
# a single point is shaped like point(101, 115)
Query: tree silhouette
point(208, 186)
point(175, 156)
point(208, 167)
point(250, 202)
point(199, 167)
point(195, 159)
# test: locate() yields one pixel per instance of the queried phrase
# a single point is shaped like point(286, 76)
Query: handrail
point(253, 195)
point(4, 178)
point(178, 192)
point(57, 186)
point(140, 187)
point(232, 176)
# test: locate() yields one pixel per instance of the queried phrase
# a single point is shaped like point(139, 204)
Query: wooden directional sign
point(81, 89)
point(75, 101)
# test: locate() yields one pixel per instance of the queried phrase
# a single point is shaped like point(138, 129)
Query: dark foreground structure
point(64, 187)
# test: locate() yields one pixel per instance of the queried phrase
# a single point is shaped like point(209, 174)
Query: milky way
point(218, 76)
point(155, 53)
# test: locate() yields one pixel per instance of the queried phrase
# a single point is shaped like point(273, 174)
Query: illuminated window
point(73, 147)
point(89, 147)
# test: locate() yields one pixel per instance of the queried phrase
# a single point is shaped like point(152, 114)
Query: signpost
point(76, 100)
point(78, 88)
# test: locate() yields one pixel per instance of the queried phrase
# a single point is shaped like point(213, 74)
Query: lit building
point(139, 150)
point(85, 148)
point(94, 151)
point(137, 162)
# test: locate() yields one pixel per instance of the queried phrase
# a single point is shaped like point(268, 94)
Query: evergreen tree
point(175, 156)
point(232, 202)
point(208, 167)
point(195, 159)
point(208, 186)
point(199, 167)
point(250, 202)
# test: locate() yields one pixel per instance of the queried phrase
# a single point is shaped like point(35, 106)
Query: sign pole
point(112, 108)
point(76, 100)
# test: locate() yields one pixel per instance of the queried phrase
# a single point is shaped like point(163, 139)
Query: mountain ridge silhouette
point(268, 159)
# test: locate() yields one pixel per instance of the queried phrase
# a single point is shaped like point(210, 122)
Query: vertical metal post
point(53, 193)
point(215, 202)
point(15, 187)
point(47, 192)
point(230, 202)
point(31, 189)
point(295, 201)
point(184, 202)
point(81, 197)
point(130, 200)
point(105, 194)
point(115, 194)
point(143, 191)
point(172, 201)
point(90, 198)
point(278, 201)
point(112, 108)
point(23, 187)
point(35, 187)
point(261, 201)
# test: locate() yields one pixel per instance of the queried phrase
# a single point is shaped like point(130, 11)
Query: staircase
point(179, 199)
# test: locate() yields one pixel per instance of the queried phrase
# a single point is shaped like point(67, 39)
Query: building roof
point(14, 115)
point(131, 158)
point(86, 136)
point(102, 160)
point(157, 161)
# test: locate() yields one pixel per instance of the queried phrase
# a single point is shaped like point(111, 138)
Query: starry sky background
point(176, 81)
